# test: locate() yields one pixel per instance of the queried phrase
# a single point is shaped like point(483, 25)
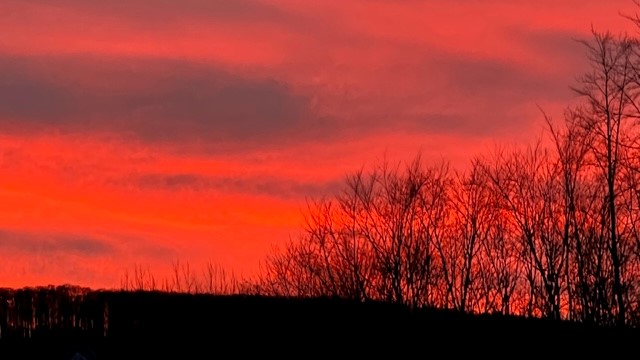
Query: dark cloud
point(284, 188)
point(501, 82)
point(159, 13)
point(553, 45)
point(26, 95)
point(150, 99)
point(460, 97)
point(186, 102)
point(474, 96)
point(53, 244)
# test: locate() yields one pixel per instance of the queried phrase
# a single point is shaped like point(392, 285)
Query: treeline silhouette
point(547, 230)
point(28, 312)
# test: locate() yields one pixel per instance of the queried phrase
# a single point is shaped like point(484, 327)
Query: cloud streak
point(177, 101)
point(53, 244)
point(153, 99)
point(282, 188)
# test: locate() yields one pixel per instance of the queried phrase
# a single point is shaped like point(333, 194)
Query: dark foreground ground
point(170, 326)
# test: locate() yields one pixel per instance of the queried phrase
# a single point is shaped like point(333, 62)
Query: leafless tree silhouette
point(551, 229)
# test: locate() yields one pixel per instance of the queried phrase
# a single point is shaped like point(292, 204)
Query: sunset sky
point(139, 132)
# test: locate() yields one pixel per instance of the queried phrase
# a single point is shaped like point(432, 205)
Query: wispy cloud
point(53, 244)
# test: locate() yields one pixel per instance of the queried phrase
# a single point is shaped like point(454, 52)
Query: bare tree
point(470, 221)
point(374, 240)
point(527, 184)
point(590, 270)
point(610, 107)
point(408, 218)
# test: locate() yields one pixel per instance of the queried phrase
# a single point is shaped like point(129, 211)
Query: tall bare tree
point(527, 184)
point(470, 221)
point(608, 115)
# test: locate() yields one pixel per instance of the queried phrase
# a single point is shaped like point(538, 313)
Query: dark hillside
point(153, 324)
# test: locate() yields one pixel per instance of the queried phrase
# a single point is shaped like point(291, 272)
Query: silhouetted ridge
point(108, 322)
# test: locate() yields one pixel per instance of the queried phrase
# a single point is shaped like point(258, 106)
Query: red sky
point(145, 131)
